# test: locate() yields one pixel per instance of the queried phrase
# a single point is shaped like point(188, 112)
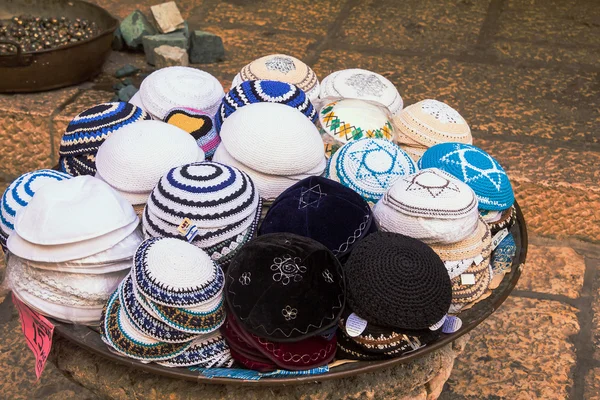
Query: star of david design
point(434, 190)
point(281, 64)
point(311, 197)
point(365, 172)
point(366, 84)
point(441, 111)
point(472, 173)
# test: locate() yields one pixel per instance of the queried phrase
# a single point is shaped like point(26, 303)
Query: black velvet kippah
point(324, 210)
point(397, 281)
point(285, 287)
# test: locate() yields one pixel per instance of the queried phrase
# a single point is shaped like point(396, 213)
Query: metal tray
point(62, 66)
point(89, 338)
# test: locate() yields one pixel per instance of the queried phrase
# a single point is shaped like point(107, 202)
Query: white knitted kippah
point(362, 84)
point(429, 205)
point(177, 86)
point(269, 186)
point(273, 138)
point(73, 210)
point(134, 160)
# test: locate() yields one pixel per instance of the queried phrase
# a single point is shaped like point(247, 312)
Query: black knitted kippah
point(397, 281)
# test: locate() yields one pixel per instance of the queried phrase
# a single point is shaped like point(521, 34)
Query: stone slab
point(553, 270)
point(167, 17)
point(175, 39)
point(416, 25)
point(133, 29)
point(522, 351)
point(110, 380)
point(167, 56)
point(206, 47)
point(506, 101)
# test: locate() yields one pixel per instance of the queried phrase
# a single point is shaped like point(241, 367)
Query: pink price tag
point(38, 333)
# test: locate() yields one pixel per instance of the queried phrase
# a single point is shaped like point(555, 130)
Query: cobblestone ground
point(524, 73)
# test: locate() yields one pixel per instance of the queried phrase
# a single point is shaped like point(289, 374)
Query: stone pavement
point(526, 76)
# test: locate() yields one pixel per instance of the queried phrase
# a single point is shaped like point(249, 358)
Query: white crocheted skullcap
point(273, 139)
point(135, 199)
point(269, 186)
point(429, 205)
point(134, 160)
point(71, 251)
point(177, 86)
point(210, 194)
point(73, 210)
point(362, 84)
point(283, 68)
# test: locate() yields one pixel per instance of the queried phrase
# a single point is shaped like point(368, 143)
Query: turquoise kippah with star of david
point(476, 168)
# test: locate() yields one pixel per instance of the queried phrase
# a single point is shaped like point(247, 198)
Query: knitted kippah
point(20, 192)
point(90, 206)
point(361, 84)
point(430, 205)
point(463, 294)
point(120, 334)
point(397, 281)
point(250, 92)
point(477, 169)
point(273, 138)
point(172, 87)
point(283, 68)
point(134, 160)
point(324, 210)
point(88, 130)
point(284, 287)
point(430, 122)
point(506, 220)
point(198, 124)
point(369, 166)
point(210, 351)
point(175, 273)
point(345, 120)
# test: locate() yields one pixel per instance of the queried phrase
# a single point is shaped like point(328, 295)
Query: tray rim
point(75, 334)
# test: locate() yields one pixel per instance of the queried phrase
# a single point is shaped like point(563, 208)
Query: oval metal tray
point(89, 338)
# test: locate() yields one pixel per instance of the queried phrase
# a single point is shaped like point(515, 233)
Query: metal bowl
point(62, 66)
point(90, 340)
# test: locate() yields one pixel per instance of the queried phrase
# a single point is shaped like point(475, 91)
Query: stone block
point(126, 70)
point(134, 27)
point(168, 56)
point(206, 47)
point(117, 43)
point(167, 17)
point(126, 93)
point(175, 39)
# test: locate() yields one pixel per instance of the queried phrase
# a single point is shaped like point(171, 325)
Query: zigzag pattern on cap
point(204, 352)
point(86, 132)
point(264, 91)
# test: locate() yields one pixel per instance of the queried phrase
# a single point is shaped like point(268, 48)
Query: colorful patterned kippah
point(20, 192)
point(88, 130)
point(121, 335)
point(283, 68)
point(346, 120)
point(250, 92)
point(175, 273)
point(198, 124)
point(362, 84)
point(210, 351)
point(369, 167)
point(195, 320)
point(477, 169)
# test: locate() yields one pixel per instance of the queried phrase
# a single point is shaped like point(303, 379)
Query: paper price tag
point(38, 334)
point(438, 324)
point(498, 237)
point(452, 324)
point(467, 279)
point(355, 325)
point(188, 230)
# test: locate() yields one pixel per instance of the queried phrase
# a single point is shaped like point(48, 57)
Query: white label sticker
point(438, 324)
point(452, 324)
point(478, 260)
point(467, 279)
point(355, 325)
point(498, 237)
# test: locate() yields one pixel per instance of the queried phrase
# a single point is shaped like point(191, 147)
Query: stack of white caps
point(362, 84)
point(133, 161)
point(430, 205)
point(172, 87)
point(346, 120)
point(219, 206)
point(19, 193)
point(276, 145)
point(71, 247)
point(169, 309)
point(427, 123)
point(283, 68)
